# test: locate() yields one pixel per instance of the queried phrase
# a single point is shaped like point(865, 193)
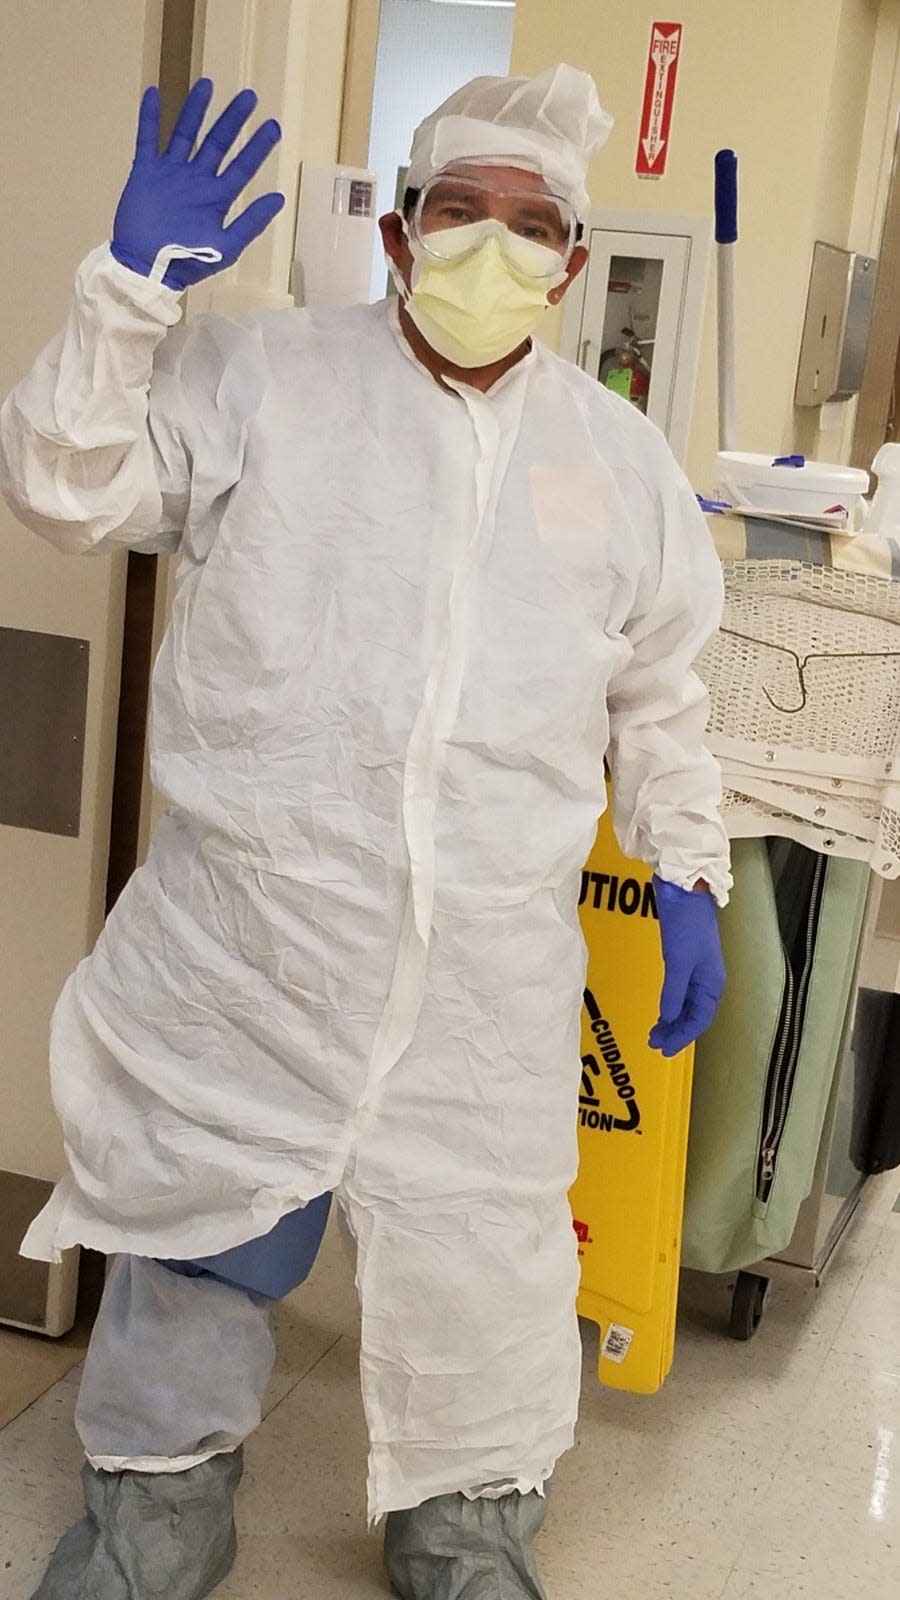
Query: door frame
point(359, 82)
point(876, 416)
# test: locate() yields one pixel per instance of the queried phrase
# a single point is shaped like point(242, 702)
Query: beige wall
point(788, 87)
point(70, 77)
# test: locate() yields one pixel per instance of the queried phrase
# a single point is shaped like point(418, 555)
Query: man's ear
point(395, 243)
point(576, 265)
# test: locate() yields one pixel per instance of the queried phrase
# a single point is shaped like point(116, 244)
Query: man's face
point(520, 200)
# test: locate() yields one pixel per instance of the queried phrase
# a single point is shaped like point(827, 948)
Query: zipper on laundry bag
point(788, 1040)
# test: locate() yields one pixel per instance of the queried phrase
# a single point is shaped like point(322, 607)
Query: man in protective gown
point(429, 577)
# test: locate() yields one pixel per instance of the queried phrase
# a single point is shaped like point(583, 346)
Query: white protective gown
point(408, 625)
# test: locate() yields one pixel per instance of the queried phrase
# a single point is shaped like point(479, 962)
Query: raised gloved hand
point(179, 200)
point(695, 971)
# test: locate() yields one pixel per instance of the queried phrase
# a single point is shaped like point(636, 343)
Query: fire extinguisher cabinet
point(633, 320)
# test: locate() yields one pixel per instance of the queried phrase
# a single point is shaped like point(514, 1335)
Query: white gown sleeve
point(83, 462)
point(666, 784)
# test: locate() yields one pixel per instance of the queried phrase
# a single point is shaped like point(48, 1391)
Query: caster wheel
point(748, 1304)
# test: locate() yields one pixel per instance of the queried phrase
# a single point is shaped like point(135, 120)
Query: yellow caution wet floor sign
point(633, 1114)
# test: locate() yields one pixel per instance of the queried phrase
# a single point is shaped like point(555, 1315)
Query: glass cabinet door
point(632, 316)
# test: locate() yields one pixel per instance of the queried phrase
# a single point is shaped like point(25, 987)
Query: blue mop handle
point(726, 239)
point(726, 197)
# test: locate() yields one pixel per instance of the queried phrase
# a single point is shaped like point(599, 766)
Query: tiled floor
point(763, 1471)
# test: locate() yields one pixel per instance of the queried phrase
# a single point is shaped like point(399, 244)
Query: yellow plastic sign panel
point(633, 1113)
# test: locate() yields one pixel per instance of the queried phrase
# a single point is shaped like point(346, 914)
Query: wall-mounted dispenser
point(335, 236)
point(836, 329)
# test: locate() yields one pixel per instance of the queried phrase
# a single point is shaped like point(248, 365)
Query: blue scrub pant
point(273, 1265)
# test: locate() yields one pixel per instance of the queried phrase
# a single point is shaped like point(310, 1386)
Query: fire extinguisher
point(626, 370)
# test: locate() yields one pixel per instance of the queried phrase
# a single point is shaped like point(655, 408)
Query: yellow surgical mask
point(481, 295)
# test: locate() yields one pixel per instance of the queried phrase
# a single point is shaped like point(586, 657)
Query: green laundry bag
point(763, 1073)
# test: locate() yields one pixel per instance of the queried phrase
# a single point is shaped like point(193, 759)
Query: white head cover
point(549, 124)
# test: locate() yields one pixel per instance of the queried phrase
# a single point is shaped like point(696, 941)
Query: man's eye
point(456, 214)
point(533, 231)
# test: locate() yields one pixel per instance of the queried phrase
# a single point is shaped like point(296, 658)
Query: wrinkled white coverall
point(408, 626)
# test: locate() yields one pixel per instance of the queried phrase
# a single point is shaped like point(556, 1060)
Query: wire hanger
point(802, 662)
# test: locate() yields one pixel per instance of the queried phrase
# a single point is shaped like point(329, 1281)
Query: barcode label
point(617, 1343)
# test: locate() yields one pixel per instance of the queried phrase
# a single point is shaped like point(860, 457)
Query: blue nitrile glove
point(695, 971)
point(172, 199)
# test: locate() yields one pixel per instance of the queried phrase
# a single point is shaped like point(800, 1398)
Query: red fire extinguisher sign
point(659, 98)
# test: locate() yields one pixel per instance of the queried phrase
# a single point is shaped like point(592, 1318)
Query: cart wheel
point(748, 1304)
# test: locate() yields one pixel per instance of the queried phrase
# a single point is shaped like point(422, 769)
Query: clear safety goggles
point(537, 232)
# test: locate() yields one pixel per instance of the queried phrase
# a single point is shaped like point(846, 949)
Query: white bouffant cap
point(549, 124)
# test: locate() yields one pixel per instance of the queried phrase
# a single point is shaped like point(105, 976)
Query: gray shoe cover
point(149, 1535)
point(452, 1548)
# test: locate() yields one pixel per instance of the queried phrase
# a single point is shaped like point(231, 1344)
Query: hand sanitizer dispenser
point(335, 236)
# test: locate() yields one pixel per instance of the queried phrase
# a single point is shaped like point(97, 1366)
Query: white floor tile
point(306, 1467)
point(851, 1418)
point(752, 1585)
point(25, 1550)
point(885, 1262)
point(691, 1491)
point(343, 1566)
point(40, 1461)
point(837, 1529)
point(742, 1392)
point(871, 1327)
point(581, 1560)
